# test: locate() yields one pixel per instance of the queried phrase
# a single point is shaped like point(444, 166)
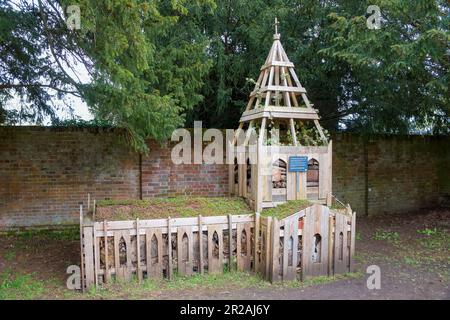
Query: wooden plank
point(138, 252)
point(107, 274)
point(277, 63)
point(341, 252)
point(89, 256)
point(243, 253)
point(123, 272)
point(82, 249)
point(275, 264)
point(268, 248)
point(184, 254)
point(269, 88)
point(96, 256)
point(331, 230)
point(257, 250)
point(200, 244)
point(215, 254)
point(116, 237)
point(288, 113)
point(169, 247)
point(230, 242)
point(154, 269)
point(352, 243)
point(316, 221)
point(290, 248)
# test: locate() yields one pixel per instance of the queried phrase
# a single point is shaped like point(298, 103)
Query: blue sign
point(298, 164)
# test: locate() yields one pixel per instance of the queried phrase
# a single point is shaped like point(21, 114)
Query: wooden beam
point(278, 88)
point(277, 63)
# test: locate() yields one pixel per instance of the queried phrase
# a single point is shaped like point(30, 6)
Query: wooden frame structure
point(314, 241)
point(278, 97)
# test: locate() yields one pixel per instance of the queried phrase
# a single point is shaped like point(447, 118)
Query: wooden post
point(257, 241)
point(169, 248)
point(105, 231)
point(275, 244)
point(138, 252)
point(200, 242)
point(352, 243)
point(89, 202)
point(93, 211)
point(96, 255)
point(330, 243)
point(268, 247)
point(230, 243)
point(81, 248)
point(329, 199)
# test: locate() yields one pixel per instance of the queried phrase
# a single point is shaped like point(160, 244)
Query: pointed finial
point(276, 36)
point(276, 25)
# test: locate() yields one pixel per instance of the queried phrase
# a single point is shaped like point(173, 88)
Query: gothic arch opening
point(317, 248)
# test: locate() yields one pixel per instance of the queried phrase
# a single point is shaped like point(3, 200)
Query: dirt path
point(412, 252)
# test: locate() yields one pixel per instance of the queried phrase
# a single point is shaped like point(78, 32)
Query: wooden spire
point(277, 93)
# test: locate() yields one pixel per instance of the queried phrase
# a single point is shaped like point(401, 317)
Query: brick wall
point(46, 172)
point(386, 174)
point(160, 177)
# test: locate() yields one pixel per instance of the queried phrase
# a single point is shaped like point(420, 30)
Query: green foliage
point(389, 236)
point(156, 66)
point(391, 80)
point(145, 62)
point(68, 233)
point(16, 286)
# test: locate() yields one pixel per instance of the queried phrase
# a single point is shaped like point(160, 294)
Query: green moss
point(174, 207)
point(184, 206)
point(286, 209)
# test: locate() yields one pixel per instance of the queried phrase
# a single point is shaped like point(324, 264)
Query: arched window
point(243, 243)
point(185, 248)
point(154, 250)
point(317, 249)
point(122, 251)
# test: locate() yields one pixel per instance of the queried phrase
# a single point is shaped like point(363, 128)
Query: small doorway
point(312, 180)
point(279, 193)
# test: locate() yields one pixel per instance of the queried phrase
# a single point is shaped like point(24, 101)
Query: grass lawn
point(184, 206)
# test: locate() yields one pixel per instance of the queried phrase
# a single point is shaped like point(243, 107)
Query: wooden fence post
point(230, 243)
point(138, 252)
point(82, 248)
point(352, 243)
point(169, 248)
point(105, 230)
point(257, 241)
point(200, 243)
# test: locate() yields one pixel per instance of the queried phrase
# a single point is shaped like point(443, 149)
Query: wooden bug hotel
point(285, 165)
point(317, 240)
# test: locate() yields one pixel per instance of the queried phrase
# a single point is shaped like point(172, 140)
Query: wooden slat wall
point(341, 250)
point(267, 243)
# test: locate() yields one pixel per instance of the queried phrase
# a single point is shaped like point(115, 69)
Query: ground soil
point(412, 251)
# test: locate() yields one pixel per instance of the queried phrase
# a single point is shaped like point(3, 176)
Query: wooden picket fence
point(314, 241)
